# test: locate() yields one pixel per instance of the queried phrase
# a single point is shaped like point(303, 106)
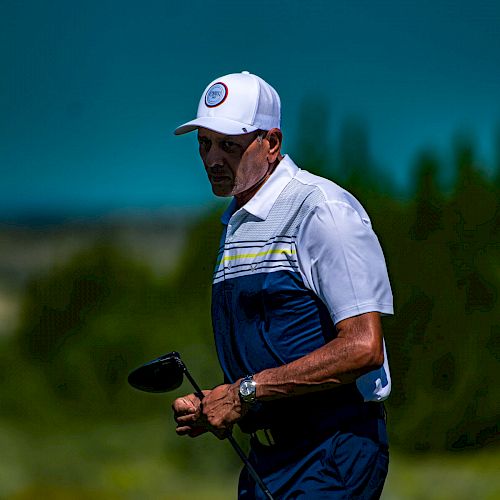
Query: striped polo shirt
point(295, 260)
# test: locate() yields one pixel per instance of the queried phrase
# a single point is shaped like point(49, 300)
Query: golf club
point(165, 374)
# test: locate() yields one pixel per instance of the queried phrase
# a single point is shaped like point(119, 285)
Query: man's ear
point(275, 138)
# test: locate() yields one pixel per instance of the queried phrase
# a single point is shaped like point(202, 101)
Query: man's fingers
point(188, 415)
point(185, 405)
point(183, 430)
point(187, 430)
point(186, 419)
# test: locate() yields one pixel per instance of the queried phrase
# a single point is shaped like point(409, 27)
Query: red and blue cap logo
point(216, 95)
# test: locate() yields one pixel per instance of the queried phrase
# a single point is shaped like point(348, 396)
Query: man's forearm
point(357, 349)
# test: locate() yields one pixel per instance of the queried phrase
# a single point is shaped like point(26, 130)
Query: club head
point(163, 374)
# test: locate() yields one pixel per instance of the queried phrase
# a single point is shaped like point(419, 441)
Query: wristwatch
point(248, 390)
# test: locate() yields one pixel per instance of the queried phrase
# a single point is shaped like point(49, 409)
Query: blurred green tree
point(447, 313)
point(85, 324)
point(314, 152)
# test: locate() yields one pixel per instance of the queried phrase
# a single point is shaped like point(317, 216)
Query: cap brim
point(217, 124)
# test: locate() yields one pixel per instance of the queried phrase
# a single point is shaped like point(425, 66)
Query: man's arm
point(357, 349)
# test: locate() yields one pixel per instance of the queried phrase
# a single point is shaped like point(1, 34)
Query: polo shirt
point(297, 258)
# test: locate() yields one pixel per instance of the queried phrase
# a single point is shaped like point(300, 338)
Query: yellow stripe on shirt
point(258, 254)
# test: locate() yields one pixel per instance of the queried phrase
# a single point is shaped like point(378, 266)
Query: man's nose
point(214, 157)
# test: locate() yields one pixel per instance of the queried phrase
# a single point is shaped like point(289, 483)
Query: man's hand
point(219, 410)
point(187, 414)
point(222, 408)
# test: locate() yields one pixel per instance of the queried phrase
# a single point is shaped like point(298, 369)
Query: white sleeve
point(341, 261)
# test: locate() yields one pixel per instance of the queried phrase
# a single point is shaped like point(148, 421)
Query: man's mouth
point(219, 178)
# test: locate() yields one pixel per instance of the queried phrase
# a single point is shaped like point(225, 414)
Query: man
point(298, 290)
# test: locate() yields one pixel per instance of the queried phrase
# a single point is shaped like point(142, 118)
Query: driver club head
point(162, 374)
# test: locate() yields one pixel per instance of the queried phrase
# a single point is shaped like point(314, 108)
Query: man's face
point(234, 163)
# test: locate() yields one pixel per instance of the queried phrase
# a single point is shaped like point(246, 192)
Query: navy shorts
point(346, 464)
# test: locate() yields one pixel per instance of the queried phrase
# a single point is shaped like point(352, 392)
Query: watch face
point(247, 388)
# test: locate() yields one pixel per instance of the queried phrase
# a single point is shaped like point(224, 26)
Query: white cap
point(236, 104)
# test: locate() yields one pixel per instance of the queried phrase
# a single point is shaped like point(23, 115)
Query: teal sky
point(90, 91)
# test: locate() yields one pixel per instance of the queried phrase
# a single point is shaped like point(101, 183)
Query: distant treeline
point(86, 324)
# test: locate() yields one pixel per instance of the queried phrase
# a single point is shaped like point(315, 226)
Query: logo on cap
point(216, 95)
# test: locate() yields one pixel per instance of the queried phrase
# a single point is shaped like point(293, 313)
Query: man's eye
point(228, 145)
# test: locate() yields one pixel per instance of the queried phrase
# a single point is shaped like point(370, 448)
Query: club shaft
point(234, 444)
point(249, 466)
point(196, 387)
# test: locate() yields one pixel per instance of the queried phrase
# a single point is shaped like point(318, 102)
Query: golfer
point(299, 287)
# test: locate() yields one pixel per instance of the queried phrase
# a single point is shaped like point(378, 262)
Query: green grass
point(114, 461)
point(464, 476)
point(145, 460)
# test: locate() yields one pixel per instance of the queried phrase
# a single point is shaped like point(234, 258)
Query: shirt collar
point(261, 203)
